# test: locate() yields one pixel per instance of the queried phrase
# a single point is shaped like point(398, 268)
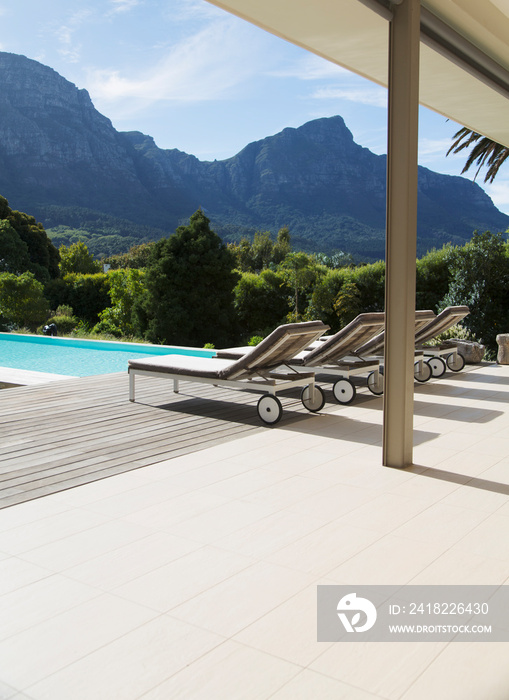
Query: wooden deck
point(63, 434)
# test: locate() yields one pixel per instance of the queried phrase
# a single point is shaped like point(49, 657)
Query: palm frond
point(484, 153)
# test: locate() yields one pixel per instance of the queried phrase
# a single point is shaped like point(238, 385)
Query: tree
point(261, 302)
point(76, 258)
point(21, 300)
point(485, 152)
point(325, 294)
point(336, 260)
point(300, 272)
point(282, 246)
point(348, 303)
point(189, 289)
point(342, 293)
point(42, 255)
point(434, 272)
point(370, 281)
point(125, 286)
point(137, 257)
point(261, 250)
point(13, 251)
point(480, 280)
point(87, 295)
point(242, 255)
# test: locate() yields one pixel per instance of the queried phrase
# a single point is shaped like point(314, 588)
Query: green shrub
point(456, 331)
point(22, 303)
point(76, 258)
point(480, 280)
point(324, 296)
point(343, 293)
point(107, 327)
point(82, 329)
point(370, 281)
point(88, 295)
point(261, 302)
point(64, 310)
point(85, 295)
point(125, 287)
point(433, 276)
point(65, 324)
point(348, 303)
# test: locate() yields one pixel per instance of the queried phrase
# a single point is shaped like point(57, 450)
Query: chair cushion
point(209, 367)
point(273, 351)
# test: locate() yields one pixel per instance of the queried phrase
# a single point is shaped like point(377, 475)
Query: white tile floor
point(196, 578)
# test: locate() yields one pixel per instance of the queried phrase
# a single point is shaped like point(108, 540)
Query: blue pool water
point(79, 358)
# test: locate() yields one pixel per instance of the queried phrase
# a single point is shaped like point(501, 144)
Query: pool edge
point(11, 378)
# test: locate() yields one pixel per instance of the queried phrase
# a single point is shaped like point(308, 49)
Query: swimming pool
point(79, 358)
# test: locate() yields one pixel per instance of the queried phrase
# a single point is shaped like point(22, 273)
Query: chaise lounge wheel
point(344, 391)
point(455, 361)
point(422, 371)
point(316, 404)
point(269, 409)
point(376, 384)
point(438, 366)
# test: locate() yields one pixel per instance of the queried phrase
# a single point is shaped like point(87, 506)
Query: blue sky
point(200, 80)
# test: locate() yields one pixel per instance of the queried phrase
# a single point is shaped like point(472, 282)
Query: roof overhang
point(464, 63)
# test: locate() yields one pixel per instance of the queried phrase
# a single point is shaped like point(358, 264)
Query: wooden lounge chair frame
point(261, 369)
point(375, 347)
point(335, 355)
point(446, 355)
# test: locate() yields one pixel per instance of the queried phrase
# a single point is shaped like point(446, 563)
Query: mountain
point(63, 162)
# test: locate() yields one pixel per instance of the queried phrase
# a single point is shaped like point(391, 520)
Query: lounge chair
point(336, 355)
point(375, 347)
point(257, 370)
point(445, 355)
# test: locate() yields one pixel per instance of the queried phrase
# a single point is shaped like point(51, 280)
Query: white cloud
point(68, 48)
point(337, 83)
point(65, 33)
point(195, 10)
point(431, 148)
point(202, 67)
point(433, 154)
point(373, 96)
point(122, 6)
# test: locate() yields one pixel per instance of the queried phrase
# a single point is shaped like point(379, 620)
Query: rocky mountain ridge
point(63, 161)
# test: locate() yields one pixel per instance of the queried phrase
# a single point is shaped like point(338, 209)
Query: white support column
point(401, 236)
